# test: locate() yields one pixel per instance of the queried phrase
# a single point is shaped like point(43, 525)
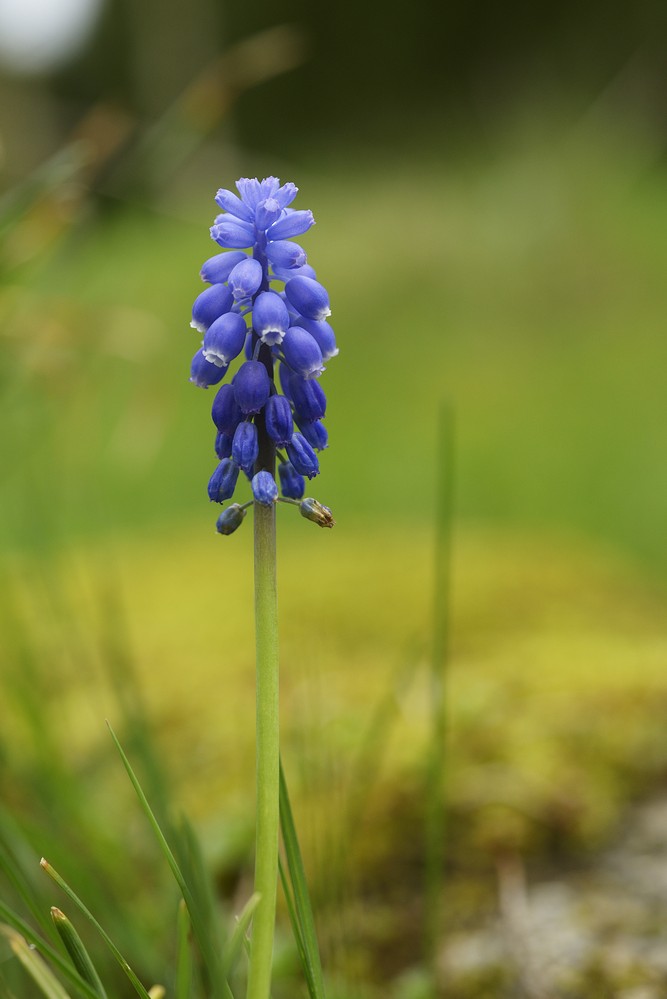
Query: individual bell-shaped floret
point(251, 387)
point(302, 353)
point(315, 433)
point(245, 446)
point(291, 224)
point(267, 212)
point(226, 412)
point(292, 485)
point(322, 334)
point(233, 234)
point(216, 269)
point(230, 519)
point(310, 402)
point(308, 297)
point(222, 483)
point(224, 339)
point(264, 488)
point(209, 305)
point(278, 420)
point(285, 255)
point(229, 202)
point(223, 445)
point(302, 456)
point(203, 373)
point(311, 509)
point(245, 278)
point(270, 318)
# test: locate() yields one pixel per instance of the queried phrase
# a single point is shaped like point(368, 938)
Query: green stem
point(268, 752)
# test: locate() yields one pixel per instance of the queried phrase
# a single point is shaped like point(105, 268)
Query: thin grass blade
point(138, 987)
point(234, 944)
point(75, 948)
point(47, 951)
point(38, 970)
point(184, 953)
point(302, 906)
point(200, 924)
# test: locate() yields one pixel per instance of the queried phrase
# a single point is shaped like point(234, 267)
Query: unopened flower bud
point(230, 519)
point(264, 488)
point(317, 512)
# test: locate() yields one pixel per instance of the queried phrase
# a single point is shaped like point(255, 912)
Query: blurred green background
point(491, 205)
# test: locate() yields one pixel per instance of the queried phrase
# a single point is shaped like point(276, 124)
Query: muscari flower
point(264, 303)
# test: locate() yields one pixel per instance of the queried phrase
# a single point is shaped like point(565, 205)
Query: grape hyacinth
point(264, 308)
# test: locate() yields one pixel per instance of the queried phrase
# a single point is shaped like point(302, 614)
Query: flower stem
point(267, 736)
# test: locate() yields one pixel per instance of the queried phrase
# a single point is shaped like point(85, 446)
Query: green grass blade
point(75, 948)
point(294, 920)
point(302, 907)
point(138, 987)
point(184, 953)
point(234, 945)
point(47, 951)
point(200, 924)
point(40, 973)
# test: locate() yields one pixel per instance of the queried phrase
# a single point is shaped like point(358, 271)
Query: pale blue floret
point(212, 303)
point(302, 353)
point(308, 297)
point(224, 339)
point(270, 318)
point(245, 278)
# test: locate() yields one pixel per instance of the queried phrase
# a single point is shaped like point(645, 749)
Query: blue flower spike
point(265, 313)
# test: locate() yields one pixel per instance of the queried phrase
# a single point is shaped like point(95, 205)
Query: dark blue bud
point(278, 418)
point(246, 278)
point(285, 255)
point(233, 235)
point(310, 402)
point(291, 224)
point(203, 373)
point(226, 412)
point(223, 445)
point(250, 190)
point(302, 353)
point(266, 213)
point(230, 203)
point(251, 387)
point(292, 485)
point(315, 433)
point(224, 339)
point(302, 456)
point(245, 446)
point(249, 348)
point(230, 519)
point(270, 318)
point(217, 269)
point(323, 335)
point(264, 488)
point(210, 305)
point(222, 483)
